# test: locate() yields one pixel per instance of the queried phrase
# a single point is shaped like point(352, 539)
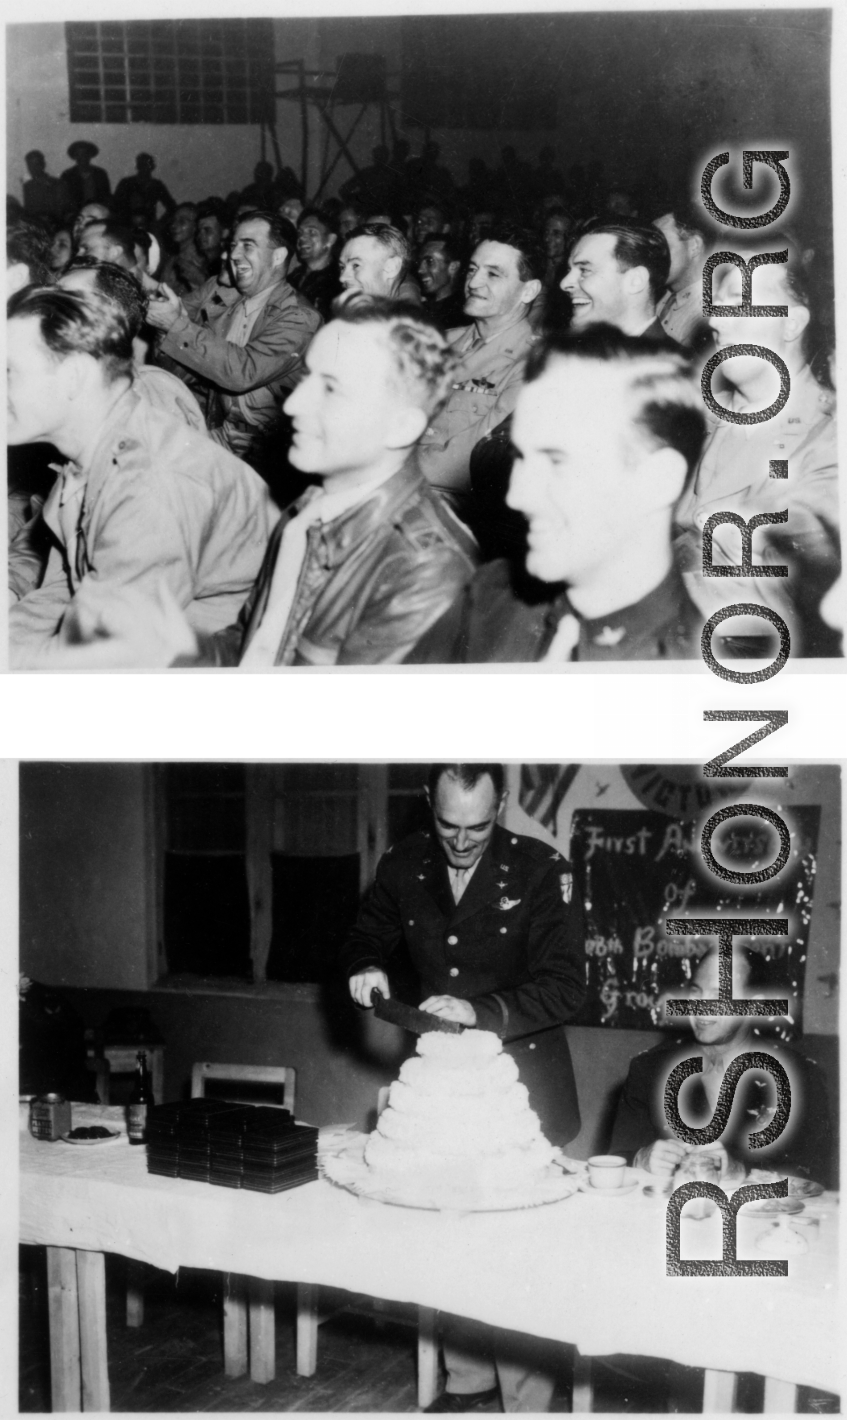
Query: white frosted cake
point(458, 1123)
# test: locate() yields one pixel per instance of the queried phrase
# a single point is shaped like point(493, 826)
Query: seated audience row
point(581, 465)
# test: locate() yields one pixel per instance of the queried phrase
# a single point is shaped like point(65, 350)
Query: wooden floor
point(174, 1362)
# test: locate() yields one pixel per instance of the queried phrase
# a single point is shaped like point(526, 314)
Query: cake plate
point(349, 1170)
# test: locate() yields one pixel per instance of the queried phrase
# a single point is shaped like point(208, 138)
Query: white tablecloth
point(588, 1270)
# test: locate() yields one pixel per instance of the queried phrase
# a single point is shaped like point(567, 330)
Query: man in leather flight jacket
point(369, 557)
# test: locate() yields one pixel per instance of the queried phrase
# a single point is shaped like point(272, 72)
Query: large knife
point(409, 1017)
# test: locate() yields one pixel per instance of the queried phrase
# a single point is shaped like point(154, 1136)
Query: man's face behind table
point(718, 1030)
point(577, 477)
point(464, 819)
point(351, 407)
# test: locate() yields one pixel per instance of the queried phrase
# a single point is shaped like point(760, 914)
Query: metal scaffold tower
point(360, 82)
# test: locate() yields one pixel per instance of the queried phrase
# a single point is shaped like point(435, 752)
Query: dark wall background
point(659, 91)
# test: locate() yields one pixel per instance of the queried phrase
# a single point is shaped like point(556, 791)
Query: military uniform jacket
point(733, 476)
point(485, 389)
point(502, 616)
point(159, 502)
point(513, 946)
point(804, 1148)
point(273, 355)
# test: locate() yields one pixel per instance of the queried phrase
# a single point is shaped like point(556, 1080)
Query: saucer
point(630, 1182)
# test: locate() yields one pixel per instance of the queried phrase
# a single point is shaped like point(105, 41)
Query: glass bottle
point(139, 1100)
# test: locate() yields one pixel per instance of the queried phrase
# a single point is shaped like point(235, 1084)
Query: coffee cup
point(606, 1171)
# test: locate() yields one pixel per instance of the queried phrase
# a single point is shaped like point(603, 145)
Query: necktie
point(460, 882)
point(292, 549)
point(322, 507)
point(565, 641)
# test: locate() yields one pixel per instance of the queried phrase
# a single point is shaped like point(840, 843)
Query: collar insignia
point(610, 636)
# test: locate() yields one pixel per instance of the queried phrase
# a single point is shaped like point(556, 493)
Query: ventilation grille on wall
point(178, 71)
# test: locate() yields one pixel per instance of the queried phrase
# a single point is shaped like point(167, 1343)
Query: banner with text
point(635, 868)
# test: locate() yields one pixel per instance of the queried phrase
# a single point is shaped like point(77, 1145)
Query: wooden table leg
point(427, 1356)
point(307, 1328)
point(63, 1310)
point(780, 1397)
point(134, 1293)
point(719, 1388)
point(235, 1324)
point(91, 1282)
point(582, 1402)
point(262, 1330)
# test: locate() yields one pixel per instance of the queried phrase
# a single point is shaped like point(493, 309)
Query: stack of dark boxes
point(238, 1146)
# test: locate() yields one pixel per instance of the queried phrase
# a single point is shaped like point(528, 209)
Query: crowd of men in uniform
point(409, 424)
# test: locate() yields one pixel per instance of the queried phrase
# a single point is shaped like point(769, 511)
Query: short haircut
point(281, 232)
point(424, 360)
point(690, 220)
point(756, 971)
point(118, 235)
point(389, 237)
point(635, 245)
point(328, 221)
point(104, 206)
point(669, 405)
point(466, 775)
point(34, 153)
point(354, 204)
point(431, 203)
point(28, 244)
point(214, 207)
point(117, 285)
point(794, 272)
point(452, 250)
point(532, 258)
point(79, 322)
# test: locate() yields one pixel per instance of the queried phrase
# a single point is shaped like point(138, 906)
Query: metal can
point(49, 1117)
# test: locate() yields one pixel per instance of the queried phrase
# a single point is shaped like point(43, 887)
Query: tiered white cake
point(458, 1124)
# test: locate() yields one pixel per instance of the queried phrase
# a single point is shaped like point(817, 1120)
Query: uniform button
point(514, 840)
point(411, 921)
point(454, 971)
point(452, 941)
point(532, 1047)
point(502, 931)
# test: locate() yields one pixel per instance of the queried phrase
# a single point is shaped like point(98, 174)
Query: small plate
point(804, 1188)
point(104, 1139)
point(775, 1205)
point(631, 1180)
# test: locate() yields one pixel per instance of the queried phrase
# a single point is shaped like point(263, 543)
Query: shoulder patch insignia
point(566, 884)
